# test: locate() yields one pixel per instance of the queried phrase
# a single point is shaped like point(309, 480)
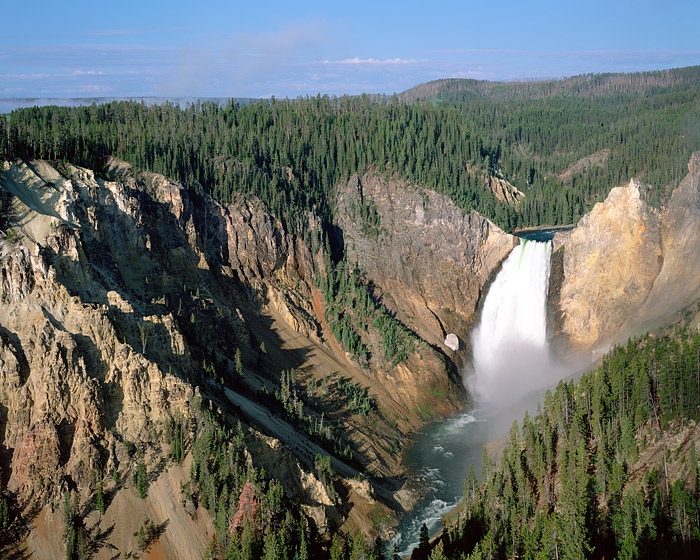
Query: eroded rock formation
point(628, 265)
point(124, 301)
point(431, 260)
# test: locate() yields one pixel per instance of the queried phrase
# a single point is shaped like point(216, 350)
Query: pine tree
point(142, 479)
point(438, 553)
point(271, 547)
point(693, 467)
point(337, 551)
point(238, 362)
point(99, 496)
point(4, 513)
point(303, 551)
point(82, 544)
point(424, 539)
point(69, 535)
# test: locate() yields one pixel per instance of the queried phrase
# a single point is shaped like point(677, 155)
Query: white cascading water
point(511, 354)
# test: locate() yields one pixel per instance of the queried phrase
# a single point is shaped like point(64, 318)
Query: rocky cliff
point(130, 305)
point(430, 259)
point(116, 296)
point(627, 266)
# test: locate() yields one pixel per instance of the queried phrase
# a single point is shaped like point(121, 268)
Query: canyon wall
point(432, 261)
point(627, 266)
point(123, 304)
point(126, 299)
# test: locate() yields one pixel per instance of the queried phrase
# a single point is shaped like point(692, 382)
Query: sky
point(287, 49)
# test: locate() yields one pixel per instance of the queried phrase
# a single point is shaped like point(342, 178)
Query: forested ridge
point(583, 85)
point(292, 153)
point(570, 483)
point(649, 123)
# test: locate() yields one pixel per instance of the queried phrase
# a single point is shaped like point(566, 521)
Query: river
point(442, 453)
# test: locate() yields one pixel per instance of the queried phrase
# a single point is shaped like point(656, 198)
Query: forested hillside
point(166, 288)
point(290, 154)
point(642, 125)
point(565, 143)
point(608, 467)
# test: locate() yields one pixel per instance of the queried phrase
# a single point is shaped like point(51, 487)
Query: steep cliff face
point(628, 266)
point(678, 282)
point(430, 259)
point(610, 263)
point(130, 304)
point(73, 373)
point(122, 306)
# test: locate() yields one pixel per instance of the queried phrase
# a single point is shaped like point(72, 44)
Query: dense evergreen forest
point(290, 154)
point(603, 130)
point(574, 480)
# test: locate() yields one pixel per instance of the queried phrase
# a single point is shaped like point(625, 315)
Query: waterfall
point(510, 350)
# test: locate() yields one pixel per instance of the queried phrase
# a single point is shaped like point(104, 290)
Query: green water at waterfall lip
point(522, 252)
point(541, 234)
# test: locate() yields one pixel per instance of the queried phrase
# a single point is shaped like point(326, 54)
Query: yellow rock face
point(627, 266)
point(610, 263)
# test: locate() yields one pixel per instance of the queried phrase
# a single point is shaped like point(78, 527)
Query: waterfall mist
point(510, 350)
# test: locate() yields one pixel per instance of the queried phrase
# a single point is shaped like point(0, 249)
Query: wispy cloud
point(615, 54)
point(82, 56)
point(25, 76)
point(298, 58)
point(115, 32)
point(375, 61)
point(248, 61)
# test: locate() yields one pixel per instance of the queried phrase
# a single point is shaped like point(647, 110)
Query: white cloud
point(114, 32)
point(614, 54)
point(26, 76)
point(358, 60)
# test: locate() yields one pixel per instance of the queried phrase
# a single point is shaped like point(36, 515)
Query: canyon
point(127, 300)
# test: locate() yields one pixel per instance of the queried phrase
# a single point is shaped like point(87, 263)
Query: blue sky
point(258, 49)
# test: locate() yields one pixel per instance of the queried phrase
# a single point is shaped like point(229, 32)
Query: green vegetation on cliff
point(351, 310)
point(608, 468)
point(290, 154)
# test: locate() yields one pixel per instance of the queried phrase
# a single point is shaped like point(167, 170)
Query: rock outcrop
point(431, 261)
point(628, 266)
point(678, 282)
point(504, 191)
point(127, 304)
point(115, 298)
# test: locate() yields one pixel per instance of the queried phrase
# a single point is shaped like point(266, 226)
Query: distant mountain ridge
point(584, 85)
point(8, 104)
